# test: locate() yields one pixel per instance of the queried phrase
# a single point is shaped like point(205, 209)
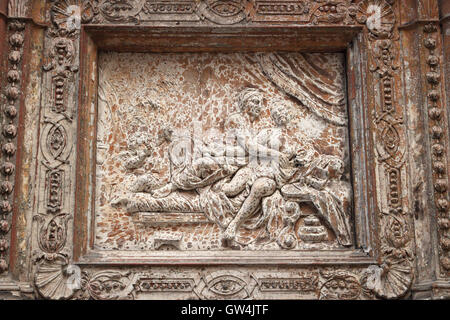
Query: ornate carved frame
point(399, 192)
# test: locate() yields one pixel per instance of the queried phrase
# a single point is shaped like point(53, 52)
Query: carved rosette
point(438, 141)
point(9, 133)
point(106, 285)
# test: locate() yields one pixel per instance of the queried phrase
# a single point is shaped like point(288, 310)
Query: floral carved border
point(392, 278)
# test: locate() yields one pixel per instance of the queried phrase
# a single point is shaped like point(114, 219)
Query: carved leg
point(237, 184)
point(262, 187)
point(164, 191)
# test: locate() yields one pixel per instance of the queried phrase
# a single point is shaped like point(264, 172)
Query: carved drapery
point(308, 82)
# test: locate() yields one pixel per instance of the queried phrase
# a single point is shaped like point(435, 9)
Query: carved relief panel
point(223, 149)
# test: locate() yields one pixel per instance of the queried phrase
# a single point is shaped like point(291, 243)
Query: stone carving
point(255, 184)
point(12, 93)
point(114, 284)
point(54, 277)
point(68, 15)
point(164, 285)
point(53, 234)
point(394, 277)
point(122, 10)
point(169, 7)
point(321, 93)
point(106, 285)
point(224, 285)
point(378, 16)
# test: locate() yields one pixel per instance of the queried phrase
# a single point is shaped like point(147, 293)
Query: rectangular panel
point(221, 151)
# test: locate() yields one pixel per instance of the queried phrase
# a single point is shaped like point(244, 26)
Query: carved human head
point(280, 113)
point(250, 101)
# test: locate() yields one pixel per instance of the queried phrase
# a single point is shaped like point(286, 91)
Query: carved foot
point(228, 236)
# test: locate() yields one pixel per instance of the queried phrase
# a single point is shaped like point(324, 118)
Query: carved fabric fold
point(306, 78)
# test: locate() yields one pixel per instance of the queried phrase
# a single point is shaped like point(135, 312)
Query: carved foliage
point(106, 285)
point(53, 234)
point(340, 285)
point(240, 11)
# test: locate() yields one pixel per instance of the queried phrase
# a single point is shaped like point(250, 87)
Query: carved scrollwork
point(56, 143)
point(55, 277)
